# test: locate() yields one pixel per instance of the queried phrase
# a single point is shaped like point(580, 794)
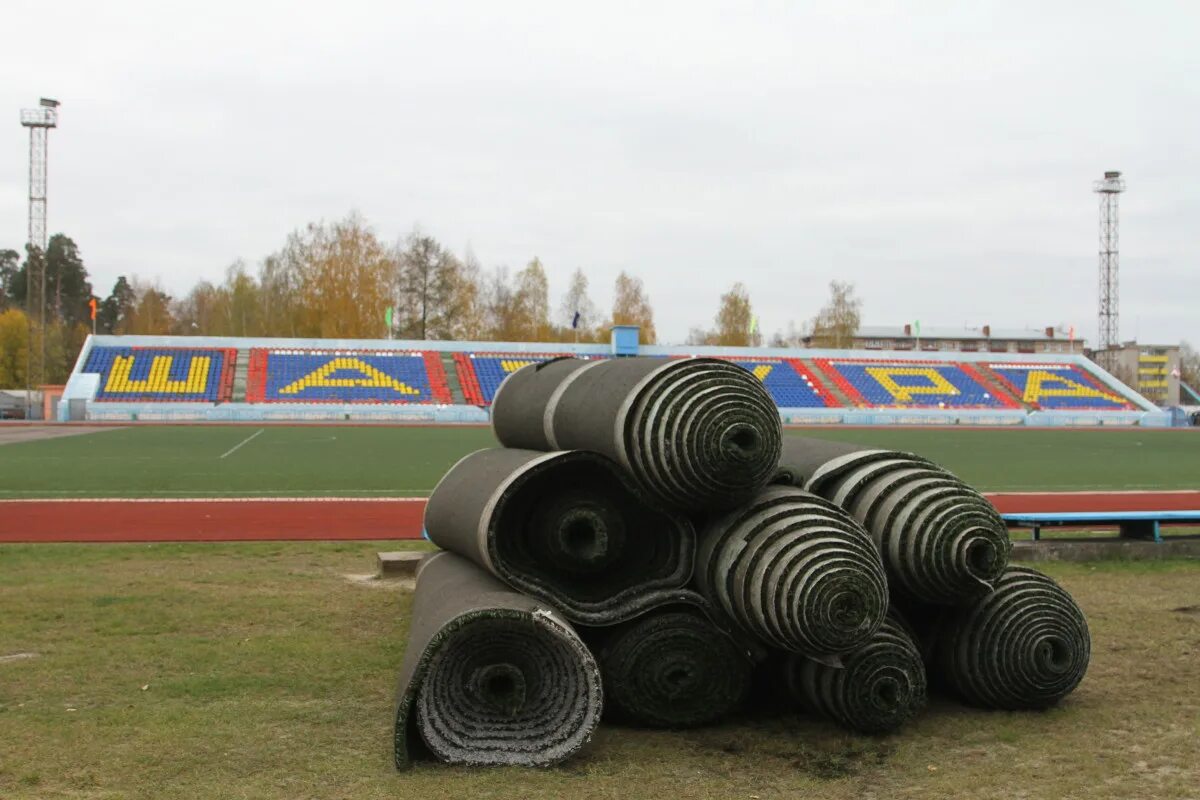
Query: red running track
point(209, 520)
point(331, 519)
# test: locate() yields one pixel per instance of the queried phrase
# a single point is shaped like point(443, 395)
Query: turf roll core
point(564, 527)
point(1026, 645)
point(695, 433)
point(490, 676)
point(940, 540)
point(880, 686)
point(795, 572)
point(670, 668)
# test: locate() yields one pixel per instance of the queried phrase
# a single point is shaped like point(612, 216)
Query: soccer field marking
point(243, 442)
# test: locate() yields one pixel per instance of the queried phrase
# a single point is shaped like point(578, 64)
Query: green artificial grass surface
point(201, 460)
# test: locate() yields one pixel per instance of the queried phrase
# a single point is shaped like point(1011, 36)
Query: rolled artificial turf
point(1026, 645)
point(564, 527)
point(940, 540)
point(880, 686)
point(490, 676)
point(695, 433)
point(670, 668)
point(795, 572)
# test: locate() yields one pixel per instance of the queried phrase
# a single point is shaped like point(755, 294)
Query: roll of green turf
point(794, 571)
point(1025, 645)
point(564, 527)
point(880, 686)
point(940, 540)
point(670, 668)
point(695, 433)
point(490, 676)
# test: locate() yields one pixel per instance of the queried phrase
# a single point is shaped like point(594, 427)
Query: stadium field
point(377, 461)
point(264, 670)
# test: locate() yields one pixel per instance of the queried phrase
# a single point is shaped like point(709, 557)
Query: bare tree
point(837, 323)
point(577, 301)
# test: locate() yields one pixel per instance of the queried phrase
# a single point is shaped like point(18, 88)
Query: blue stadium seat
point(913, 384)
point(162, 374)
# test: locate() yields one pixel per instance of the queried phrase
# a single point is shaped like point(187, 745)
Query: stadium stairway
point(830, 386)
point(452, 381)
point(997, 386)
point(240, 369)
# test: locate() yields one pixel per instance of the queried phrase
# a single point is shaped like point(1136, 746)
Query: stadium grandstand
point(227, 379)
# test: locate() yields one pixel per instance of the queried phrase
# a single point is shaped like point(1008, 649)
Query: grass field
point(203, 461)
point(261, 671)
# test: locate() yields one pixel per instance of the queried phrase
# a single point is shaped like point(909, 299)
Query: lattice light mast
point(1110, 296)
point(39, 121)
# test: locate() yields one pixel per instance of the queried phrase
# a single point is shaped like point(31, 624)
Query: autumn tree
point(14, 348)
point(505, 320)
point(736, 325)
point(631, 306)
point(344, 281)
point(838, 321)
point(279, 289)
point(151, 311)
point(472, 322)
point(532, 301)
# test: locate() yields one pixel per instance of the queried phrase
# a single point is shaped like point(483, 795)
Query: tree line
point(335, 280)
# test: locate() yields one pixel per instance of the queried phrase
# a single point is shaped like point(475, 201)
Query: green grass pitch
point(307, 460)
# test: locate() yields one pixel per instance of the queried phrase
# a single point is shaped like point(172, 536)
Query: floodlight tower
point(39, 121)
point(1110, 329)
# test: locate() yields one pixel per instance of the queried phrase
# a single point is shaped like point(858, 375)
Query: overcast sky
point(942, 162)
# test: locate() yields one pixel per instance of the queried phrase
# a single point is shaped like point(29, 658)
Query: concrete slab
point(400, 563)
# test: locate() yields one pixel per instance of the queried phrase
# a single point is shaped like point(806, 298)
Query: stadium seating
point(486, 371)
point(789, 382)
point(1064, 387)
point(346, 376)
point(875, 383)
point(163, 374)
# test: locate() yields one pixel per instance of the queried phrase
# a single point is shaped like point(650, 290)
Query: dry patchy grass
point(260, 671)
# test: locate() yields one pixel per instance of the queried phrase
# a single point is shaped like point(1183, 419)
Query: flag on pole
point(753, 325)
point(1175, 373)
point(92, 306)
point(387, 315)
point(917, 328)
point(575, 320)
point(1071, 333)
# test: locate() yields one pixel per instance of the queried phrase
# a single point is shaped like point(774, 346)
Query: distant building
point(1151, 369)
point(984, 339)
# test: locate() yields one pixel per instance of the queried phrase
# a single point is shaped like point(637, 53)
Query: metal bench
point(1132, 524)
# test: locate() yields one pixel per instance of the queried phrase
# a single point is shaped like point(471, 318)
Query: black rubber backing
point(490, 676)
point(563, 527)
point(695, 433)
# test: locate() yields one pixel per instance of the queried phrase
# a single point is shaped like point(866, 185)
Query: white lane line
point(245, 441)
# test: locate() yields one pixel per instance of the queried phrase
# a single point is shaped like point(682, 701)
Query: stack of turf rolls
point(645, 545)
